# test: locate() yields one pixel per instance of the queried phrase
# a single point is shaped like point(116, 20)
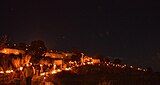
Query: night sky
point(128, 29)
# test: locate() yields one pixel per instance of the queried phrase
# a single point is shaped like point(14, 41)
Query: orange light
point(11, 51)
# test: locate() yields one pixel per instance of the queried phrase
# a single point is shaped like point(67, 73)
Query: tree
point(117, 61)
point(5, 61)
point(106, 59)
point(36, 49)
point(3, 41)
point(22, 46)
point(102, 58)
point(76, 57)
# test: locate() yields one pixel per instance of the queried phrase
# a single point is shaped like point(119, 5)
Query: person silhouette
point(28, 73)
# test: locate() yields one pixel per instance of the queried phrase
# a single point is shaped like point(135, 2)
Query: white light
point(92, 63)
point(54, 72)
point(84, 64)
point(122, 67)
point(21, 68)
point(14, 44)
point(41, 65)
point(1, 71)
point(113, 64)
point(42, 74)
point(131, 66)
point(27, 64)
point(58, 70)
point(67, 69)
point(30, 63)
point(11, 70)
point(139, 69)
point(44, 77)
point(88, 62)
point(8, 71)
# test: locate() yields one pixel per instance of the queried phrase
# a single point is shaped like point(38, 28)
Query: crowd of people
point(24, 76)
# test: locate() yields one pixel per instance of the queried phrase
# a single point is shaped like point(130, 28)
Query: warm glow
point(88, 63)
point(54, 66)
point(58, 70)
point(21, 68)
point(41, 65)
point(44, 77)
point(42, 74)
point(92, 63)
point(16, 62)
point(95, 61)
point(139, 69)
point(27, 65)
point(58, 62)
point(53, 55)
point(113, 64)
point(67, 69)
point(131, 66)
point(1, 71)
point(11, 51)
point(54, 72)
point(122, 66)
point(144, 70)
point(9, 71)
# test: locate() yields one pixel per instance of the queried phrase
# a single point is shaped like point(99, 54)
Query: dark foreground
point(95, 75)
point(91, 75)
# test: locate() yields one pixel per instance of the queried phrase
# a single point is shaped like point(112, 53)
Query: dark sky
point(128, 29)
